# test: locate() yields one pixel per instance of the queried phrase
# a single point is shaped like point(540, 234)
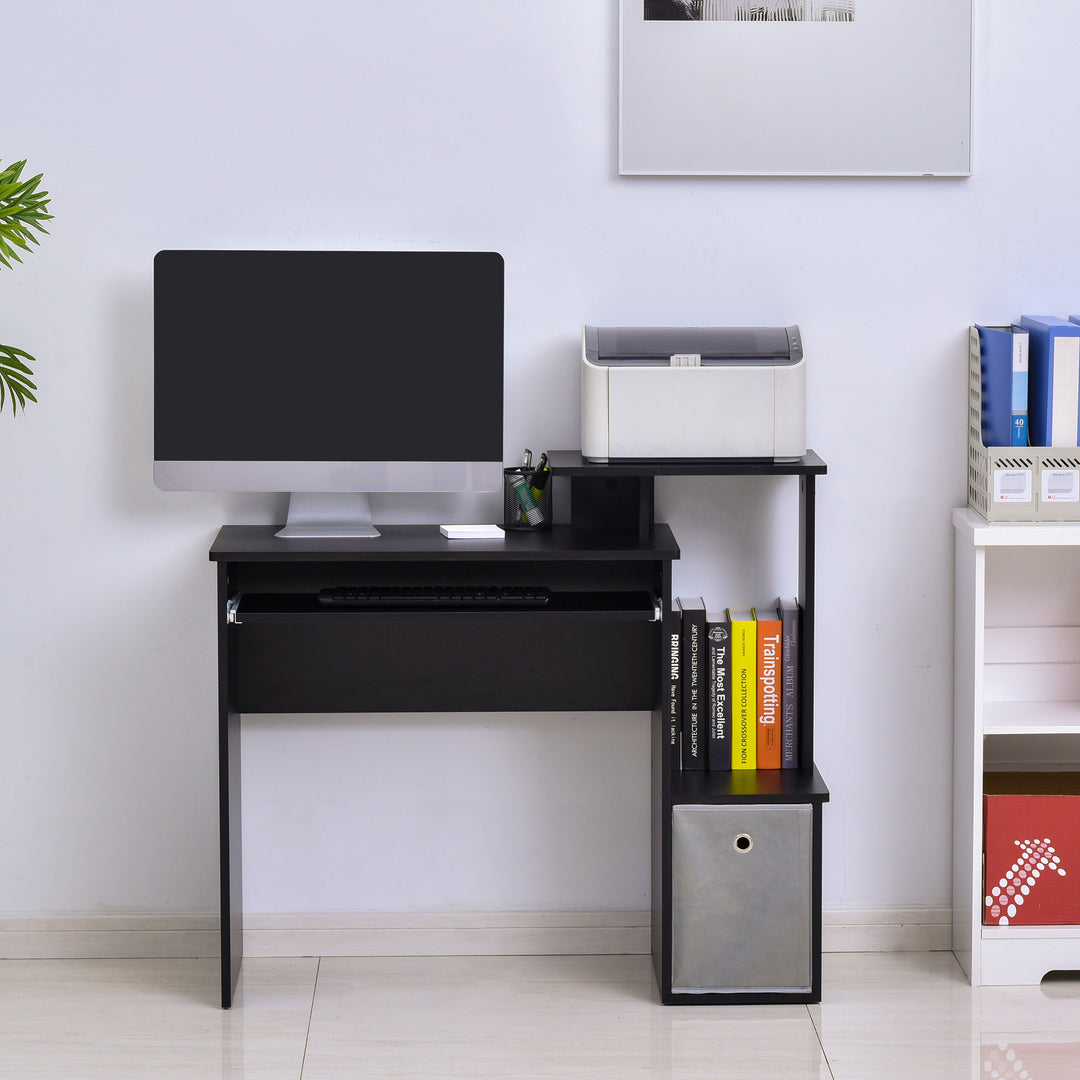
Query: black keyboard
point(491, 596)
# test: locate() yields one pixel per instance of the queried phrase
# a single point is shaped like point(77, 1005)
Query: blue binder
point(1053, 380)
point(1003, 359)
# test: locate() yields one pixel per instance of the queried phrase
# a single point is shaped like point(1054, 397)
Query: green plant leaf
point(7, 252)
point(15, 386)
point(14, 235)
point(22, 211)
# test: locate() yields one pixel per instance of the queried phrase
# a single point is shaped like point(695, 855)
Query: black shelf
point(619, 495)
point(748, 785)
point(567, 462)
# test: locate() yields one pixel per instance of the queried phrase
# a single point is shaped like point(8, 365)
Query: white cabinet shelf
point(1016, 705)
point(1031, 718)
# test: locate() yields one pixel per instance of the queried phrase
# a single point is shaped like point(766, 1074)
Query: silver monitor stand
point(331, 515)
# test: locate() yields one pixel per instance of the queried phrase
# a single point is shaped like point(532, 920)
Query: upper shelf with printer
point(692, 392)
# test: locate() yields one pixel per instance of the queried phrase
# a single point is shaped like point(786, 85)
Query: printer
point(692, 392)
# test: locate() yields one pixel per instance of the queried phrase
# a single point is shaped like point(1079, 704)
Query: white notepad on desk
point(472, 532)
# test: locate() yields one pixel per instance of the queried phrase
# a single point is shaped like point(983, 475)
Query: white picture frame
point(882, 91)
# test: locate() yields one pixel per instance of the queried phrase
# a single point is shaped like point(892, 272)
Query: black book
point(673, 697)
point(719, 697)
point(694, 675)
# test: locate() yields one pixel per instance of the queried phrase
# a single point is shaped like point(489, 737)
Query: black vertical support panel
point(229, 804)
point(807, 525)
point(815, 885)
point(662, 765)
point(614, 503)
point(646, 505)
point(807, 539)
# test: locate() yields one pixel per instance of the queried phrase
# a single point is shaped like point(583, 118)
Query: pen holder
point(526, 499)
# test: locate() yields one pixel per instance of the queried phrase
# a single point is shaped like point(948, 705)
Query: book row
point(1031, 382)
point(733, 685)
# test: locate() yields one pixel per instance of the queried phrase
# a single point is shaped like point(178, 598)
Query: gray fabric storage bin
point(741, 898)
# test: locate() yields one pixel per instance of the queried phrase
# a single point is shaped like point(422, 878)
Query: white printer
point(692, 392)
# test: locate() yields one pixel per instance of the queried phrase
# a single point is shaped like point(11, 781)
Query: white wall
point(478, 124)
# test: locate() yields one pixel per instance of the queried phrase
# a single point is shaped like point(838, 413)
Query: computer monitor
point(328, 375)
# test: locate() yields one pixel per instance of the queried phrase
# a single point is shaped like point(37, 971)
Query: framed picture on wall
point(795, 87)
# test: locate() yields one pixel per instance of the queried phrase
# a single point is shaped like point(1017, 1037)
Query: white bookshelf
point(1016, 706)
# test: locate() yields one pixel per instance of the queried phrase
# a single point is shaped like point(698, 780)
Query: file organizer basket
point(1016, 483)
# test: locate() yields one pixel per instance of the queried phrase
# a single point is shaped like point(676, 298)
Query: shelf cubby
point(619, 497)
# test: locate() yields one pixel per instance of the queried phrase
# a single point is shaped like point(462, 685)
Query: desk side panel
point(229, 804)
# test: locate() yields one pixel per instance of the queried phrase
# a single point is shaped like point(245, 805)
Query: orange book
point(769, 653)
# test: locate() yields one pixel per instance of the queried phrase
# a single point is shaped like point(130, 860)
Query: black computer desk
point(597, 646)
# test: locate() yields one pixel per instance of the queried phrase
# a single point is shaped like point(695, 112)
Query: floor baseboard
point(425, 934)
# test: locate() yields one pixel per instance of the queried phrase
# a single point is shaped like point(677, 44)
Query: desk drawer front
point(471, 663)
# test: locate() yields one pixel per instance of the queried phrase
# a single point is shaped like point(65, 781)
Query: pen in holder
point(527, 497)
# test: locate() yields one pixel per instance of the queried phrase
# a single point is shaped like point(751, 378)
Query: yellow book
point(743, 689)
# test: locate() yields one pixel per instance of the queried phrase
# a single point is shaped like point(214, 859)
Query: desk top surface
point(256, 543)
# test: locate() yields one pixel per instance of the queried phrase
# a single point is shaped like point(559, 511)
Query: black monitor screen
point(328, 356)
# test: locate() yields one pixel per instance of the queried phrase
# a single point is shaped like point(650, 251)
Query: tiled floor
point(883, 1015)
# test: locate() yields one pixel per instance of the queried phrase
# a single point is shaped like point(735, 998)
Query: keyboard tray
point(601, 604)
